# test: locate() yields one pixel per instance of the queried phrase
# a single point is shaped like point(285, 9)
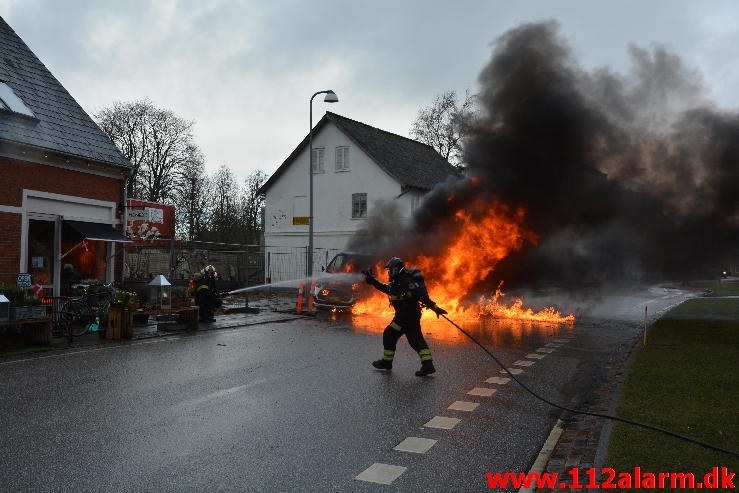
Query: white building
point(354, 166)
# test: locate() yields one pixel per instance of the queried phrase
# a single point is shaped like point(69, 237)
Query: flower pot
point(20, 312)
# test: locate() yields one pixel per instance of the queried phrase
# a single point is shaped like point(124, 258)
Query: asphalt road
point(296, 406)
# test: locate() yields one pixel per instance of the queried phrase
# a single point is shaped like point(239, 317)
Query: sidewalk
point(153, 330)
point(584, 440)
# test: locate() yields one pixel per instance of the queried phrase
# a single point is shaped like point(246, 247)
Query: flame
point(480, 238)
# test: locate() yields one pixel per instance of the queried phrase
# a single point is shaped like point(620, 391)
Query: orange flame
point(481, 237)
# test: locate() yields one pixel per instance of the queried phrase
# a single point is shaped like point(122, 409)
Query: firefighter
point(205, 293)
point(407, 291)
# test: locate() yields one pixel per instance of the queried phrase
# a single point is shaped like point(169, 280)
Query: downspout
point(124, 225)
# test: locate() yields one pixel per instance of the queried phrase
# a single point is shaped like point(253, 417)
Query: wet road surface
point(296, 406)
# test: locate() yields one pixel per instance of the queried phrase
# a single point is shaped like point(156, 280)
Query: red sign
point(149, 222)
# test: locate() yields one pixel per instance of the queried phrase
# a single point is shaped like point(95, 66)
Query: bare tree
point(223, 219)
point(156, 141)
point(191, 195)
point(125, 124)
point(170, 138)
point(443, 125)
point(251, 205)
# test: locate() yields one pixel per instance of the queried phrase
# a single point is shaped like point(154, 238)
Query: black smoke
point(623, 177)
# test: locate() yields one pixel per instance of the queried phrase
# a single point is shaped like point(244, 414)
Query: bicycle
point(79, 316)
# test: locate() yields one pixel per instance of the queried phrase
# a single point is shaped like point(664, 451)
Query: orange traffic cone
point(299, 308)
point(311, 296)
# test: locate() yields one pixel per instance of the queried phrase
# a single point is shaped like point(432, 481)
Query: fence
point(274, 272)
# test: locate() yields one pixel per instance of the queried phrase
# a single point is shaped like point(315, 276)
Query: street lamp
point(331, 97)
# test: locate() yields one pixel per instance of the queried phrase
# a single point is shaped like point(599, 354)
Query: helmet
point(209, 271)
point(394, 266)
point(197, 276)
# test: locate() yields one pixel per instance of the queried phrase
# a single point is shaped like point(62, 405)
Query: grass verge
point(685, 380)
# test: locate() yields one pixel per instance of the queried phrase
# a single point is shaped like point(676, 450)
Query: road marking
point(415, 445)
point(562, 341)
point(545, 350)
point(463, 406)
point(442, 423)
point(551, 344)
point(482, 391)
point(381, 473)
point(545, 453)
point(498, 380)
point(523, 362)
point(535, 356)
point(512, 371)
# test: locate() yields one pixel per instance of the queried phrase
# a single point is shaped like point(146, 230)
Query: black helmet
point(394, 266)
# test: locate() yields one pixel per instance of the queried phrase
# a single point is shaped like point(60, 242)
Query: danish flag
point(38, 290)
point(85, 246)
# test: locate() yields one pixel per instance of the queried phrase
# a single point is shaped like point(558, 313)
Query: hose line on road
point(588, 413)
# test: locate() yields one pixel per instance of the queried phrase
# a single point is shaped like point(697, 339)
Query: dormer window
point(11, 102)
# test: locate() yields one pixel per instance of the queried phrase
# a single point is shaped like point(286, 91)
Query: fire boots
point(383, 364)
point(427, 368)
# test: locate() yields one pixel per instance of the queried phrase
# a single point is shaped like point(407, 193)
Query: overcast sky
point(244, 70)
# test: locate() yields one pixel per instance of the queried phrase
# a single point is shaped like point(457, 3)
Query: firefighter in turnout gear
point(205, 293)
point(407, 292)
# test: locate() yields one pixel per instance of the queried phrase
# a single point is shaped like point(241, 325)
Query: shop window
point(84, 264)
point(41, 251)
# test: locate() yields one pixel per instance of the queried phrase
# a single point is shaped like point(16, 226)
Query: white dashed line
point(562, 341)
point(463, 406)
point(523, 362)
point(442, 423)
point(513, 371)
point(498, 380)
point(415, 445)
point(545, 350)
point(381, 473)
point(482, 391)
point(535, 356)
point(551, 344)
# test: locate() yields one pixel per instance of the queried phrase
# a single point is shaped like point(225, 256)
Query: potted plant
point(19, 308)
point(120, 315)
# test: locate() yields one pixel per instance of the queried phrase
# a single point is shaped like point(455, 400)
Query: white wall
point(332, 192)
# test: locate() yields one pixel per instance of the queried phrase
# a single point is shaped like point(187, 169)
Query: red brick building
point(61, 179)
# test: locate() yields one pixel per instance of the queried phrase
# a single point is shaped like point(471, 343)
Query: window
point(317, 161)
point(41, 251)
point(342, 159)
point(12, 102)
point(359, 205)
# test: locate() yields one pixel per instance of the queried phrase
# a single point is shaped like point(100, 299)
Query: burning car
point(343, 283)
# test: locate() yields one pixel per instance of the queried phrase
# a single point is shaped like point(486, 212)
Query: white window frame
point(357, 200)
point(342, 158)
point(12, 102)
point(317, 159)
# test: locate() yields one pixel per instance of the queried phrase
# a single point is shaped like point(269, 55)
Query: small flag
point(85, 245)
point(38, 290)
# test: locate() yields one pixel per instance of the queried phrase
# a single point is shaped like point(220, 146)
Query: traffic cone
point(311, 296)
point(299, 307)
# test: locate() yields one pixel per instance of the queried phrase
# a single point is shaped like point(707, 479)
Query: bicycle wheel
point(71, 319)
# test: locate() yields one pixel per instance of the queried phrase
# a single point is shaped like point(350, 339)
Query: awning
point(98, 231)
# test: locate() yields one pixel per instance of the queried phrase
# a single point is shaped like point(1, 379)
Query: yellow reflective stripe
point(396, 326)
point(388, 354)
point(425, 354)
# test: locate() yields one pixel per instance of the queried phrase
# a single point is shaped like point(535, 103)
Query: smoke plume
point(622, 177)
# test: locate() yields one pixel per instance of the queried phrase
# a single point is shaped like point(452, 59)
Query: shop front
point(68, 251)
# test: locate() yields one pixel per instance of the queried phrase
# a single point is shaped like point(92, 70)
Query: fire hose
point(588, 413)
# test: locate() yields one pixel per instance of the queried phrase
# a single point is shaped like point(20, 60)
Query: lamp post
point(331, 97)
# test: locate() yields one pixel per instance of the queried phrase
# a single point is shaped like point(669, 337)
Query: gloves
point(439, 310)
point(368, 277)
